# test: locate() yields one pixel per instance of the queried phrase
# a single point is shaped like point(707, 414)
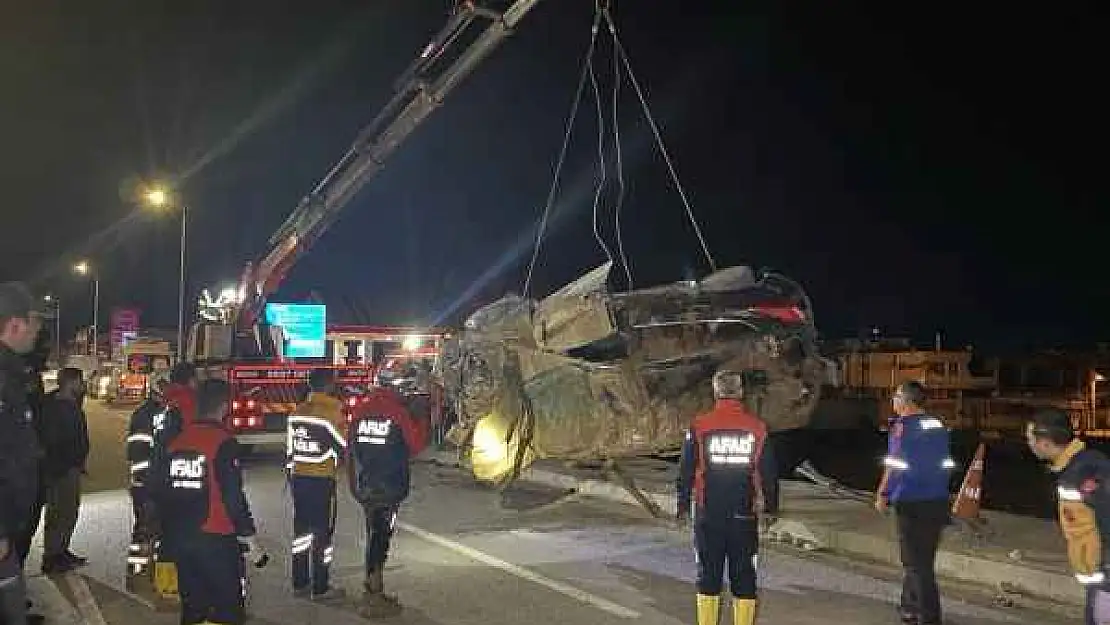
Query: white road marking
point(523, 573)
point(86, 603)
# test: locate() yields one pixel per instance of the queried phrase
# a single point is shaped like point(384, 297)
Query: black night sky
point(915, 167)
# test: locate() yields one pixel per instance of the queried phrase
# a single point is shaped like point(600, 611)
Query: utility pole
point(181, 292)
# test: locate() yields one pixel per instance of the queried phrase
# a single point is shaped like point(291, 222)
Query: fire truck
point(264, 394)
point(237, 345)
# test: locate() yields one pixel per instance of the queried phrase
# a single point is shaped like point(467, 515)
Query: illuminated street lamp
point(83, 268)
point(1096, 377)
point(158, 197)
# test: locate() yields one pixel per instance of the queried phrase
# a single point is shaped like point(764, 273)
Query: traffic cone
point(967, 502)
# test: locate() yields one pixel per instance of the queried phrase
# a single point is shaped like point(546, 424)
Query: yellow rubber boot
point(743, 611)
point(165, 579)
point(709, 609)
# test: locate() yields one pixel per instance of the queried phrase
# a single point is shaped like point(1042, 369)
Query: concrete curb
point(1004, 577)
point(51, 602)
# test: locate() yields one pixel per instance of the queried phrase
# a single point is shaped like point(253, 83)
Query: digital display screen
point(304, 326)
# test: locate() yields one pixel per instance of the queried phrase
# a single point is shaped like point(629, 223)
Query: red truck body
point(264, 394)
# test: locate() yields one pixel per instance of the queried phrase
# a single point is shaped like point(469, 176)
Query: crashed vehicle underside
point(586, 374)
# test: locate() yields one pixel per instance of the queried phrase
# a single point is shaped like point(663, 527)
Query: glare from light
point(1099, 377)
point(494, 452)
point(157, 197)
point(228, 295)
point(412, 343)
point(490, 452)
point(82, 267)
point(47, 298)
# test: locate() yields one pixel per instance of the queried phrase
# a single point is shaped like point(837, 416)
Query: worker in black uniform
point(139, 447)
point(206, 520)
point(179, 411)
point(729, 475)
point(915, 482)
point(20, 321)
point(316, 445)
point(1083, 494)
point(383, 437)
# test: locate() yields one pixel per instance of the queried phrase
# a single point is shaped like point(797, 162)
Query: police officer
point(315, 446)
point(206, 520)
point(915, 482)
point(729, 474)
point(139, 447)
point(383, 437)
point(1082, 482)
point(20, 322)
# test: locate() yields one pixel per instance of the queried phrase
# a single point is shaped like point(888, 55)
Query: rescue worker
point(140, 445)
point(206, 519)
point(179, 412)
point(383, 437)
point(728, 473)
point(179, 398)
point(1082, 482)
point(315, 447)
point(20, 321)
point(915, 482)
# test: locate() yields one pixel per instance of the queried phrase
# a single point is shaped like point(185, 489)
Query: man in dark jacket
point(20, 321)
point(34, 363)
point(206, 520)
point(140, 449)
point(180, 411)
point(382, 437)
point(65, 439)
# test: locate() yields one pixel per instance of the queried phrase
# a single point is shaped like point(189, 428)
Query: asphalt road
point(107, 463)
point(465, 555)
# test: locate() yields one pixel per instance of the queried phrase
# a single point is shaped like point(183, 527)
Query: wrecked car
point(586, 374)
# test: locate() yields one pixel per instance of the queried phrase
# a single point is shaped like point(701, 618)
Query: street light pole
point(158, 197)
point(85, 269)
point(181, 291)
point(57, 305)
point(58, 329)
point(96, 313)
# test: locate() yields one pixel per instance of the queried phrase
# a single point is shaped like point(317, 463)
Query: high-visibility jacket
point(201, 487)
point(1083, 477)
point(315, 440)
point(726, 465)
point(918, 459)
point(140, 441)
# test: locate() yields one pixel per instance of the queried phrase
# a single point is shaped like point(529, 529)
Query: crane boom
point(418, 92)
